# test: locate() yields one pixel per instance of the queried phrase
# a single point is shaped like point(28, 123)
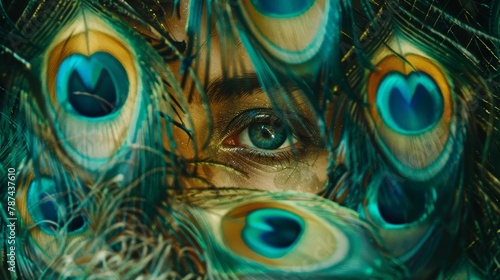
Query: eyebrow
point(224, 89)
point(232, 89)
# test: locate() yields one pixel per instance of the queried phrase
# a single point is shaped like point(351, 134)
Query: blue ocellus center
point(282, 8)
point(409, 104)
point(92, 86)
point(51, 209)
point(271, 232)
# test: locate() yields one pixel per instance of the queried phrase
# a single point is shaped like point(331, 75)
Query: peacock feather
point(118, 176)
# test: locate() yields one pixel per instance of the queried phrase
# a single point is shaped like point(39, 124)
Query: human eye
point(261, 137)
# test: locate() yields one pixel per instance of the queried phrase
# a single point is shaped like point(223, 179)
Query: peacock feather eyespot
point(397, 205)
point(404, 215)
point(412, 113)
point(93, 83)
point(52, 212)
point(49, 208)
point(278, 27)
point(267, 233)
point(408, 146)
point(92, 87)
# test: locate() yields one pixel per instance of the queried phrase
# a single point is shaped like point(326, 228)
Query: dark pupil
point(51, 221)
point(285, 233)
point(92, 103)
point(267, 136)
point(49, 213)
point(399, 206)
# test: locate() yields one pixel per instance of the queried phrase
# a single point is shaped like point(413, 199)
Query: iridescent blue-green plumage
point(405, 97)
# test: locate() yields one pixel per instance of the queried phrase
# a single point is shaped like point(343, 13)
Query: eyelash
point(300, 129)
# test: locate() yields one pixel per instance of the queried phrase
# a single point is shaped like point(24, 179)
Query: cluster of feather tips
point(139, 233)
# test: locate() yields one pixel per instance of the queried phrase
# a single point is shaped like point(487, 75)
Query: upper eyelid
point(245, 118)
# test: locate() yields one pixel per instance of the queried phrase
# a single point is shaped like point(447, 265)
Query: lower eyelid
point(242, 158)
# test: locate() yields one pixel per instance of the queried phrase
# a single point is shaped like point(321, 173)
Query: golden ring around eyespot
point(45, 247)
point(289, 39)
point(88, 43)
point(413, 151)
point(304, 252)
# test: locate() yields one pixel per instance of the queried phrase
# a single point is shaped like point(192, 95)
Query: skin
point(239, 163)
